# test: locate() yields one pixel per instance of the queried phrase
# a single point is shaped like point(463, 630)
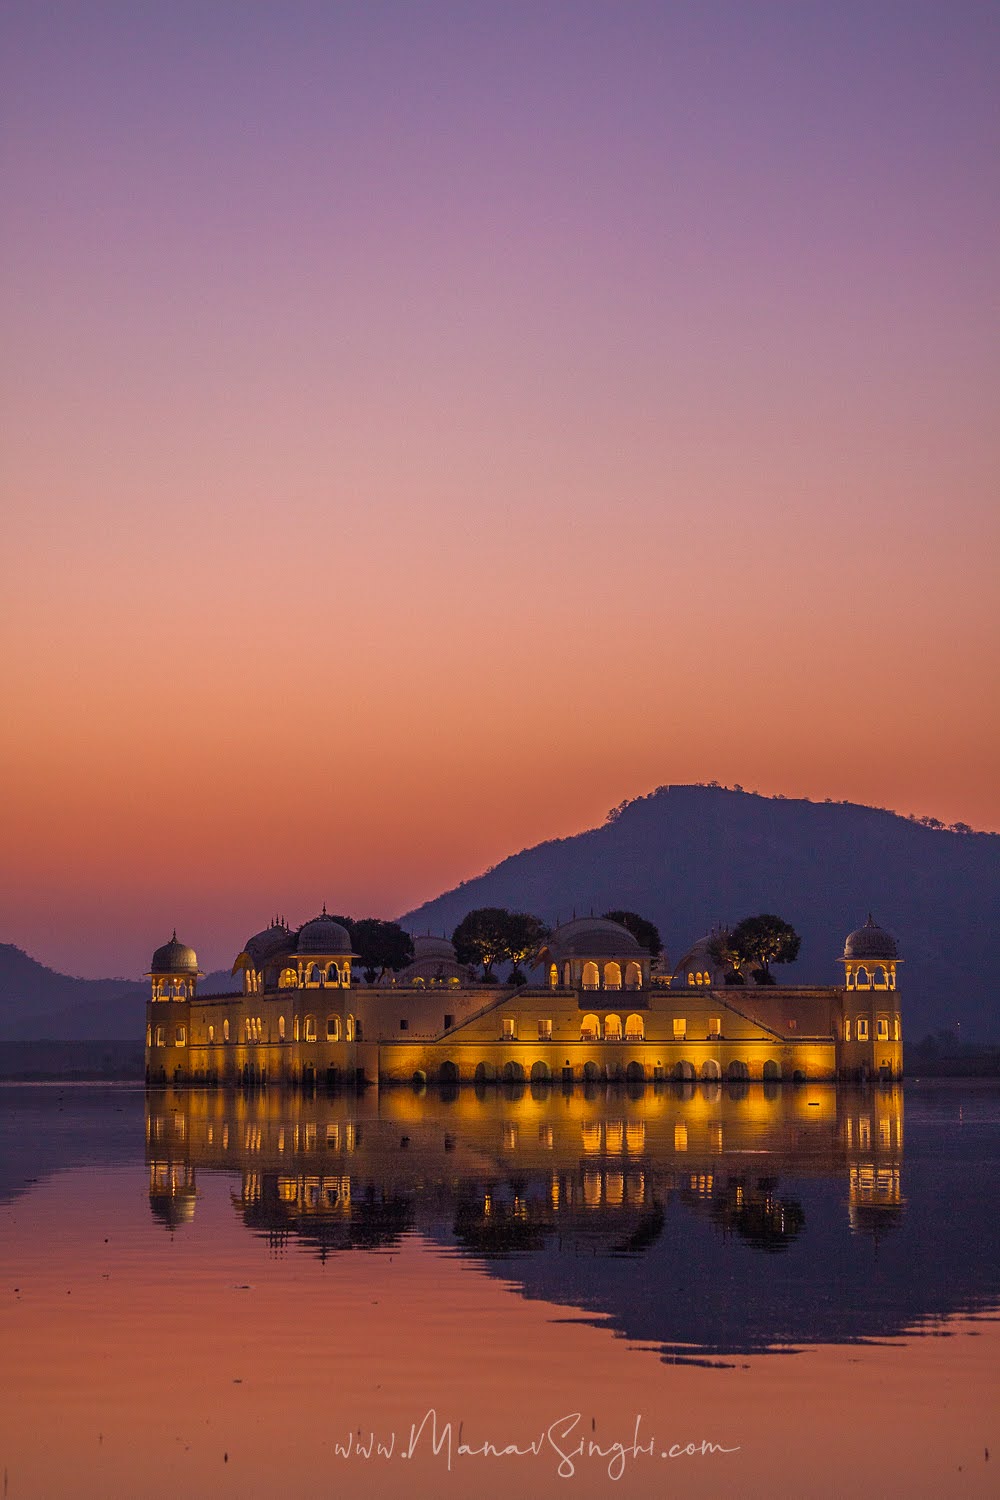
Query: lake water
point(703, 1290)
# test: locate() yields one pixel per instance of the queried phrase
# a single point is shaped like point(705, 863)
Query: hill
point(38, 1002)
point(690, 856)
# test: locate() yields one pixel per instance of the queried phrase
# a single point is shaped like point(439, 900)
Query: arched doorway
point(612, 975)
point(513, 1072)
point(541, 1072)
point(448, 1072)
point(710, 1069)
point(737, 1072)
point(591, 976)
point(772, 1072)
point(635, 1073)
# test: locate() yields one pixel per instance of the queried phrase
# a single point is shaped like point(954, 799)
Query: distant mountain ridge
point(690, 856)
point(37, 1002)
point(686, 857)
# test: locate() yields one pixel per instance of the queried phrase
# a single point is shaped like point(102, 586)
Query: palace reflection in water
point(705, 1217)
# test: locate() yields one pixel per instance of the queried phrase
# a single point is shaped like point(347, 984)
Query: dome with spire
point(268, 942)
point(324, 935)
point(870, 941)
point(174, 958)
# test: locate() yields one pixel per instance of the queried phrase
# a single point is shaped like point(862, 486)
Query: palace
point(603, 1012)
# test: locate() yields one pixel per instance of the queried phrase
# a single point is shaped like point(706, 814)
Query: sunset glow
point(426, 426)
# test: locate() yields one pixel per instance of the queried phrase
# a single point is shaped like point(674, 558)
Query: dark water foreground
point(205, 1293)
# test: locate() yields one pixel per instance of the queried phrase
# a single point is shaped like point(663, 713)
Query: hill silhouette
point(686, 857)
point(690, 856)
point(37, 1002)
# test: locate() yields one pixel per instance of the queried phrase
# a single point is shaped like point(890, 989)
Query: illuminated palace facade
point(603, 1012)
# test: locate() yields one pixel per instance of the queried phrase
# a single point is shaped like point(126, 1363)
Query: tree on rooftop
point(481, 937)
point(525, 935)
point(645, 932)
point(765, 940)
point(381, 946)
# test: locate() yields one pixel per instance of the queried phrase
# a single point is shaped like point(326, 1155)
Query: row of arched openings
point(593, 1029)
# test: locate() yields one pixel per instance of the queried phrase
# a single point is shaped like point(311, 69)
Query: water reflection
point(703, 1217)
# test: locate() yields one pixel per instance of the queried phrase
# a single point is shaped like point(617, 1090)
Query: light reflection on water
point(330, 1256)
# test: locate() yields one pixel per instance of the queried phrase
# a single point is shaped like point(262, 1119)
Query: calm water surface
point(211, 1294)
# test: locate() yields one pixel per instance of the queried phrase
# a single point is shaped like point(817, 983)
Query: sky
point(424, 426)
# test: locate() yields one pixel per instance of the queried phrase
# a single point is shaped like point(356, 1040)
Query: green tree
point(765, 940)
point(645, 932)
point(481, 937)
point(525, 935)
point(381, 946)
point(722, 952)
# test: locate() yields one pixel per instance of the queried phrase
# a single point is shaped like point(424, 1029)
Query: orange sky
point(405, 463)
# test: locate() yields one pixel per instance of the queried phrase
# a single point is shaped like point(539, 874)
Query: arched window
point(333, 975)
point(690, 979)
point(295, 1028)
point(591, 976)
point(553, 976)
point(180, 1036)
point(309, 1030)
point(149, 1036)
point(590, 1029)
point(612, 975)
point(633, 976)
point(225, 1030)
point(635, 1031)
point(281, 1028)
point(159, 1036)
point(612, 1028)
point(288, 979)
point(882, 978)
point(333, 1028)
point(862, 979)
point(847, 1028)
point(350, 1028)
point(567, 974)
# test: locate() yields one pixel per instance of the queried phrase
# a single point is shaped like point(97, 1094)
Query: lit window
point(281, 1028)
point(613, 1028)
point(680, 1029)
point(634, 1029)
point(333, 1028)
point(310, 1029)
point(295, 1028)
point(350, 1029)
point(211, 1033)
point(544, 1031)
point(847, 1028)
point(509, 1028)
point(160, 1036)
point(180, 1036)
point(882, 1029)
point(862, 1029)
point(715, 1026)
point(225, 1031)
point(690, 979)
point(895, 1029)
point(149, 1036)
